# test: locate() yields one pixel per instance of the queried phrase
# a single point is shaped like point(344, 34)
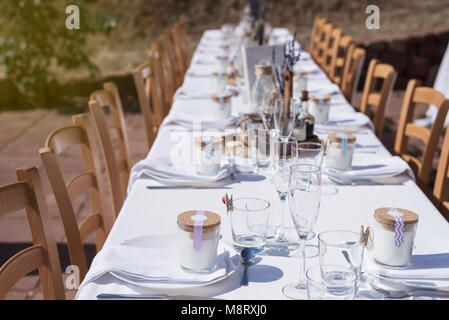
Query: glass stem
point(283, 199)
point(302, 264)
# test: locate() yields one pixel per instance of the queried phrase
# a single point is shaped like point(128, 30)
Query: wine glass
point(304, 193)
point(283, 153)
point(284, 115)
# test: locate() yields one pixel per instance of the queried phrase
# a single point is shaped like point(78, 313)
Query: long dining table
point(149, 211)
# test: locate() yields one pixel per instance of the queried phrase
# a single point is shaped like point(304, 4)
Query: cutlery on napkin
point(163, 171)
point(367, 167)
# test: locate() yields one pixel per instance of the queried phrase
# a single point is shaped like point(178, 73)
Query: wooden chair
point(377, 100)
point(406, 128)
point(163, 74)
point(28, 194)
point(184, 42)
point(169, 49)
point(339, 59)
point(351, 74)
point(98, 221)
point(325, 38)
point(118, 164)
point(181, 56)
point(151, 98)
point(440, 196)
point(332, 50)
point(315, 36)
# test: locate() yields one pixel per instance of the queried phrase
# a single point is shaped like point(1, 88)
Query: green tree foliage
point(34, 43)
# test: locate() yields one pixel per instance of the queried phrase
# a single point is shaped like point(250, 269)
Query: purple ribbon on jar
point(199, 218)
point(398, 226)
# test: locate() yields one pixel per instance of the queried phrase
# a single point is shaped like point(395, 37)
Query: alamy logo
point(73, 20)
point(72, 282)
point(372, 22)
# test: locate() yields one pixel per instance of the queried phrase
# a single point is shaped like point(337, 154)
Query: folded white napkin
point(167, 173)
point(368, 167)
point(344, 121)
point(183, 93)
point(322, 87)
point(192, 72)
point(189, 122)
point(147, 266)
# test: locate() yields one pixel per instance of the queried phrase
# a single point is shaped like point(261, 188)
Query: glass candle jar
point(319, 108)
point(394, 234)
point(208, 153)
point(222, 106)
point(219, 81)
point(221, 63)
point(340, 150)
point(262, 87)
point(198, 236)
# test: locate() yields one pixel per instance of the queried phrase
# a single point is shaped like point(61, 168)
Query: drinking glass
point(342, 248)
point(249, 218)
point(283, 154)
point(304, 198)
point(310, 153)
point(284, 115)
point(246, 156)
point(329, 282)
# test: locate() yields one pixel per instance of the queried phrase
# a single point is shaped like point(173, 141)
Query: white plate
point(169, 241)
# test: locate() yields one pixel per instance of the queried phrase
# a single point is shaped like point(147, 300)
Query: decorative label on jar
point(398, 226)
point(199, 218)
point(344, 143)
point(209, 149)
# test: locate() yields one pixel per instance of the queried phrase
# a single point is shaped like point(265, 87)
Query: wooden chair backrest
point(332, 49)
point(325, 38)
point(441, 187)
point(351, 74)
point(118, 164)
point(406, 128)
point(151, 98)
point(163, 72)
point(28, 194)
point(315, 36)
point(377, 100)
point(339, 59)
point(170, 50)
point(98, 221)
point(184, 42)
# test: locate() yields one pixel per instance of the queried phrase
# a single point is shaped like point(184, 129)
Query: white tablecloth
point(154, 211)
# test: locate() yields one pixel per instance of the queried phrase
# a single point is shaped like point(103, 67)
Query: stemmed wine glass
point(284, 115)
point(283, 154)
point(304, 193)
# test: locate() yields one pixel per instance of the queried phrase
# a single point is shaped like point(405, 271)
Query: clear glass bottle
point(300, 128)
point(308, 118)
point(262, 86)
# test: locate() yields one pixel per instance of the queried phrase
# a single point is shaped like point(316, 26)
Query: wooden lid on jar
point(387, 220)
point(222, 57)
point(222, 96)
point(325, 98)
point(262, 69)
point(201, 141)
point(337, 137)
point(223, 74)
point(210, 219)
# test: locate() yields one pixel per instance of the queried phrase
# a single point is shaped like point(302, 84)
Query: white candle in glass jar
point(393, 236)
point(340, 150)
point(319, 108)
point(221, 63)
point(208, 153)
point(219, 81)
point(222, 106)
point(198, 237)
